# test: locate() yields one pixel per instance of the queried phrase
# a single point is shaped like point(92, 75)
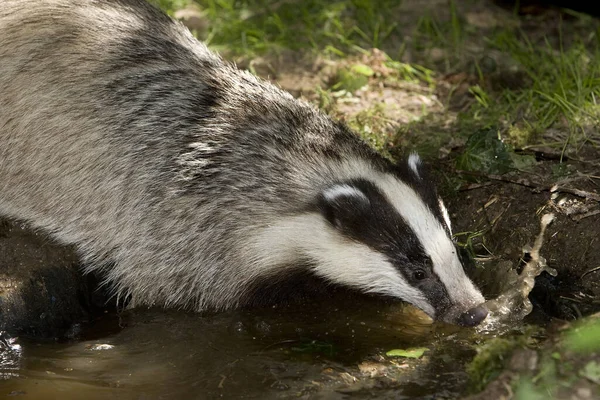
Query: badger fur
point(187, 182)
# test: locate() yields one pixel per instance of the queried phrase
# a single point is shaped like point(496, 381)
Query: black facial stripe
point(378, 225)
point(371, 220)
point(436, 294)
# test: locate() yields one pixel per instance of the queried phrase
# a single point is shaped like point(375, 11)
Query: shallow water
point(312, 351)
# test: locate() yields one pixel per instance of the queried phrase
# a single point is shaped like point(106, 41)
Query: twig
point(586, 215)
point(576, 192)
point(537, 187)
point(589, 272)
point(223, 377)
point(495, 220)
point(519, 181)
point(473, 186)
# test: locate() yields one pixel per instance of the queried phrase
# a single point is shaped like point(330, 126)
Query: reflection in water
point(10, 357)
point(322, 351)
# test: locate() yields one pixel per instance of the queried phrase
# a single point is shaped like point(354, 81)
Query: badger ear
point(415, 165)
point(344, 205)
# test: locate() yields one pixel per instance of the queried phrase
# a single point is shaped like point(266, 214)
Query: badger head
point(394, 233)
point(384, 232)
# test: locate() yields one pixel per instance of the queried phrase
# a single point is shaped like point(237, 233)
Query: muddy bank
point(497, 216)
point(42, 290)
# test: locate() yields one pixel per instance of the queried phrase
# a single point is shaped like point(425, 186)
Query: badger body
point(188, 182)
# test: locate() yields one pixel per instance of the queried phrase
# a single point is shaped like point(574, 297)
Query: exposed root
point(576, 192)
point(513, 304)
point(589, 272)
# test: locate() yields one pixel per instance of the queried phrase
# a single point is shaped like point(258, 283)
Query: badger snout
point(473, 317)
point(458, 316)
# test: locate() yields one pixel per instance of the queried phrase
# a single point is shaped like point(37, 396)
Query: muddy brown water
point(327, 351)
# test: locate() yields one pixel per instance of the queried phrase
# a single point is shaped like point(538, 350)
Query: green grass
point(542, 83)
point(562, 86)
point(585, 337)
point(556, 79)
point(447, 36)
point(255, 27)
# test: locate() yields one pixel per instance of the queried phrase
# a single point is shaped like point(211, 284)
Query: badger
point(189, 183)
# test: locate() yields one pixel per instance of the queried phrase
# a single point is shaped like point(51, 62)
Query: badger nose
point(473, 317)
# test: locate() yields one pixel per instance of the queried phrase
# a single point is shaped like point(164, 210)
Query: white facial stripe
point(434, 239)
point(338, 260)
point(445, 214)
point(414, 161)
point(343, 190)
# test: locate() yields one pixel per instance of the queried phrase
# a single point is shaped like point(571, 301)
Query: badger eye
point(419, 275)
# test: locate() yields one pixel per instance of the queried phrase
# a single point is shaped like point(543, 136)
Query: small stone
point(524, 360)
point(347, 378)
point(98, 347)
point(372, 369)
point(584, 393)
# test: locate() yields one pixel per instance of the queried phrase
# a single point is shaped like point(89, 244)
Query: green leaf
point(413, 352)
point(486, 153)
point(362, 69)
point(522, 162)
point(350, 81)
